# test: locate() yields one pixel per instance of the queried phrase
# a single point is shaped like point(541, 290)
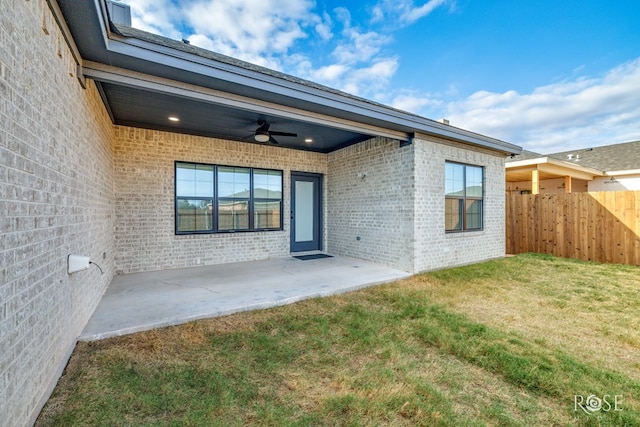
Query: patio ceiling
point(143, 108)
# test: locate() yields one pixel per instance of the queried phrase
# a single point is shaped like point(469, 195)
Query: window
point(234, 198)
point(267, 198)
point(464, 190)
point(211, 198)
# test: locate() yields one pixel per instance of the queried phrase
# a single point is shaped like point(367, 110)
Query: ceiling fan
point(263, 134)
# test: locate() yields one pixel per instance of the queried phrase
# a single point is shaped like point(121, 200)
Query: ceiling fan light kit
point(262, 134)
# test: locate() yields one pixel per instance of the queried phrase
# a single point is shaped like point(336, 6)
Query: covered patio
point(547, 175)
point(143, 301)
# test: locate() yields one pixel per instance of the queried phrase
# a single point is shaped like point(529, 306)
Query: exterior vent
point(444, 121)
point(119, 13)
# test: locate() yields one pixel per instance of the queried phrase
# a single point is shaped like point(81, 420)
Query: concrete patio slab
point(143, 301)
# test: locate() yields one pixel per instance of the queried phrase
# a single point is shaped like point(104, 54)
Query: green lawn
point(522, 341)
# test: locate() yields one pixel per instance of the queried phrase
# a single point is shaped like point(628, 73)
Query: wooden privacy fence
point(602, 226)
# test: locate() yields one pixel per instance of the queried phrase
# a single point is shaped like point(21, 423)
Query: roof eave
point(382, 115)
point(554, 162)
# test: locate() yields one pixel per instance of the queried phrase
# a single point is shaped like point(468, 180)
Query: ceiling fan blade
point(283, 134)
point(263, 126)
point(273, 140)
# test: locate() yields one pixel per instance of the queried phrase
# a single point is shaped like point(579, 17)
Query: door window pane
point(304, 211)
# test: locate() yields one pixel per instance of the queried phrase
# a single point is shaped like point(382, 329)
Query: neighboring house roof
point(144, 78)
point(616, 157)
point(586, 163)
point(524, 155)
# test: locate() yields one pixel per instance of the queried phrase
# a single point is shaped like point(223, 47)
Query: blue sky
point(549, 75)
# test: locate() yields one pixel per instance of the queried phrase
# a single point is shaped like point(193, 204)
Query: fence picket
point(601, 226)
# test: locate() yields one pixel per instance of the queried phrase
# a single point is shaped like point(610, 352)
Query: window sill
point(208, 233)
point(465, 233)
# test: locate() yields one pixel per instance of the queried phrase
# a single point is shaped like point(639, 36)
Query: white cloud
point(257, 31)
point(414, 14)
point(367, 80)
point(156, 16)
point(359, 47)
point(362, 80)
point(404, 11)
point(413, 102)
point(268, 61)
point(359, 66)
point(584, 112)
point(323, 26)
point(343, 15)
point(265, 32)
point(329, 73)
point(249, 27)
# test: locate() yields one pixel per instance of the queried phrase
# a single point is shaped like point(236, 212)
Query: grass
point(502, 343)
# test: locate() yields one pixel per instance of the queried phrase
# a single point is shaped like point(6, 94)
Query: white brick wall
point(145, 232)
point(397, 210)
point(371, 217)
point(394, 215)
point(56, 198)
point(434, 248)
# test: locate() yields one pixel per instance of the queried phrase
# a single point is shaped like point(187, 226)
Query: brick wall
point(395, 214)
point(145, 231)
point(56, 198)
point(371, 217)
point(434, 248)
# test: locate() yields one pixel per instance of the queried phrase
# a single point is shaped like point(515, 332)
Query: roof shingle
point(624, 156)
point(616, 157)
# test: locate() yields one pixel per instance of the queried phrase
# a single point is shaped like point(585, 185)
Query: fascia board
point(623, 172)
point(554, 167)
point(528, 162)
point(549, 163)
point(562, 170)
point(574, 167)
